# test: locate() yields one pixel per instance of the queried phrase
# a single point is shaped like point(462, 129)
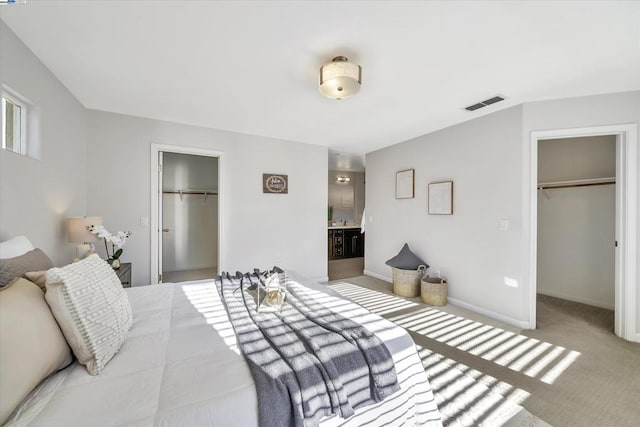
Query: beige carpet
point(186, 275)
point(571, 371)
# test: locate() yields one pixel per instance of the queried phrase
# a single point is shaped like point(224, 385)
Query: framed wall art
point(405, 184)
point(274, 183)
point(441, 198)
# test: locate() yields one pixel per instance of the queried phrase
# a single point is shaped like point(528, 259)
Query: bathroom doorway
point(346, 205)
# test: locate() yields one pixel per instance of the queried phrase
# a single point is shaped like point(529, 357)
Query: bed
point(181, 366)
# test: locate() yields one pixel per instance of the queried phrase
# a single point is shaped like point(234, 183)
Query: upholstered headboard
point(15, 247)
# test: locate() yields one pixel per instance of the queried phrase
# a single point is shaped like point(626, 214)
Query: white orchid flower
point(117, 239)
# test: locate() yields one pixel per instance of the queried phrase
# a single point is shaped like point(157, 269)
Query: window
point(14, 124)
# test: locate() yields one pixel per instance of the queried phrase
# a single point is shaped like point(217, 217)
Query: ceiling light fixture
point(340, 78)
point(342, 179)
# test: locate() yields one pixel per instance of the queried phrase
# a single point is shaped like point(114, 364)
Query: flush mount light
point(342, 179)
point(339, 78)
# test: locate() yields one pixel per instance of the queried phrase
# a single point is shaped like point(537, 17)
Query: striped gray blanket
point(307, 362)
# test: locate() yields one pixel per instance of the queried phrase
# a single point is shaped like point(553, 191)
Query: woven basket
point(434, 291)
point(406, 283)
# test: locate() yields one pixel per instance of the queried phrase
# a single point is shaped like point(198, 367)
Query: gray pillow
point(406, 260)
point(34, 260)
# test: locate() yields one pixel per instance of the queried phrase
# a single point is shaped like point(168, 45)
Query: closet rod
point(576, 183)
point(208, 193)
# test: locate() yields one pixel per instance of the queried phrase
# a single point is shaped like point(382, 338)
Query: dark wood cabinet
point(345, 243)
point(124, 274)
point(353, 243)
point(336, 244)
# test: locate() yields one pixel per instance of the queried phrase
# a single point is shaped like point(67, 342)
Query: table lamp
point(77, 228)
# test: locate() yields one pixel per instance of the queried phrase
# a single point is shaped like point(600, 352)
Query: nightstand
point(124, 274)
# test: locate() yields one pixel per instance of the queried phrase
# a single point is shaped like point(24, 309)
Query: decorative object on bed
point(78, 232)
point(441, 198)
point(405, 184)
point(307, 361)
point(32, 345)
point(433, 291)
point(91, 308)
point(18, 266)
point(116, 239)
point(271, 292)
point(275, 183)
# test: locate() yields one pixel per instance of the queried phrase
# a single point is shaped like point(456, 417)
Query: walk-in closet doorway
point(576, 226)
point(186, 214)
point(621, 244)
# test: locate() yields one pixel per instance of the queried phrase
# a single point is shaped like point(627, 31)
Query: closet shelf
point(576, 183)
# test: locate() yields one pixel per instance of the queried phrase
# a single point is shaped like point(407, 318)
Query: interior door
point(160, 222)
point(618, 319)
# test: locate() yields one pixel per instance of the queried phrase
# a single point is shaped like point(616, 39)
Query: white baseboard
point(323, 279)
point(574, 299)
point(522, 324)
point(637, 337)
point(191, 267)
point(377, 276)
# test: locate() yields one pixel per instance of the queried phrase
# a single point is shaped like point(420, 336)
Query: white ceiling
point(341, 161)
point(252, 67)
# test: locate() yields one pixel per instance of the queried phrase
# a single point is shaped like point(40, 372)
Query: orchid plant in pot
point(117, 241)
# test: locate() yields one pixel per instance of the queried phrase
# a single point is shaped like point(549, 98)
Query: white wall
point(488, 160)
point(568, 159)
point(192, 219)
point(482, 157)
point(340, 193)
point(569, 113)
point(576, 225)
point(260, 230)
point(36, 195)
point(576, 231)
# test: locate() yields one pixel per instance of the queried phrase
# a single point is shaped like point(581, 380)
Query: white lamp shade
point(340, 79)
point(77, 228)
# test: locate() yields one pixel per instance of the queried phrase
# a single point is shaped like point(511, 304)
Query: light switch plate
point(504, 224)
point(144, 221)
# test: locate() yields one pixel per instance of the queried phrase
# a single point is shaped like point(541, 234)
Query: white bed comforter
point(181, 366)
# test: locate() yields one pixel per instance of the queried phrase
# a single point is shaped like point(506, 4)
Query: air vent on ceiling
point(484, 103)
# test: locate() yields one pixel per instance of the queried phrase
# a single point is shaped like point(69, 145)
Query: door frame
point(626, 292)
point(155, 191)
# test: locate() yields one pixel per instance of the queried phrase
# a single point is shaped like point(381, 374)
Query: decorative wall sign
point(441, 198)
point(275, 183)
point(405, 184)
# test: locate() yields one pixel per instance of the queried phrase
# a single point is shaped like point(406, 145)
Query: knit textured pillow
point(92, 309)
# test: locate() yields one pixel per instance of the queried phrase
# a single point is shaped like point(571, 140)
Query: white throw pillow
point(17, 246)
point(92, 309)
